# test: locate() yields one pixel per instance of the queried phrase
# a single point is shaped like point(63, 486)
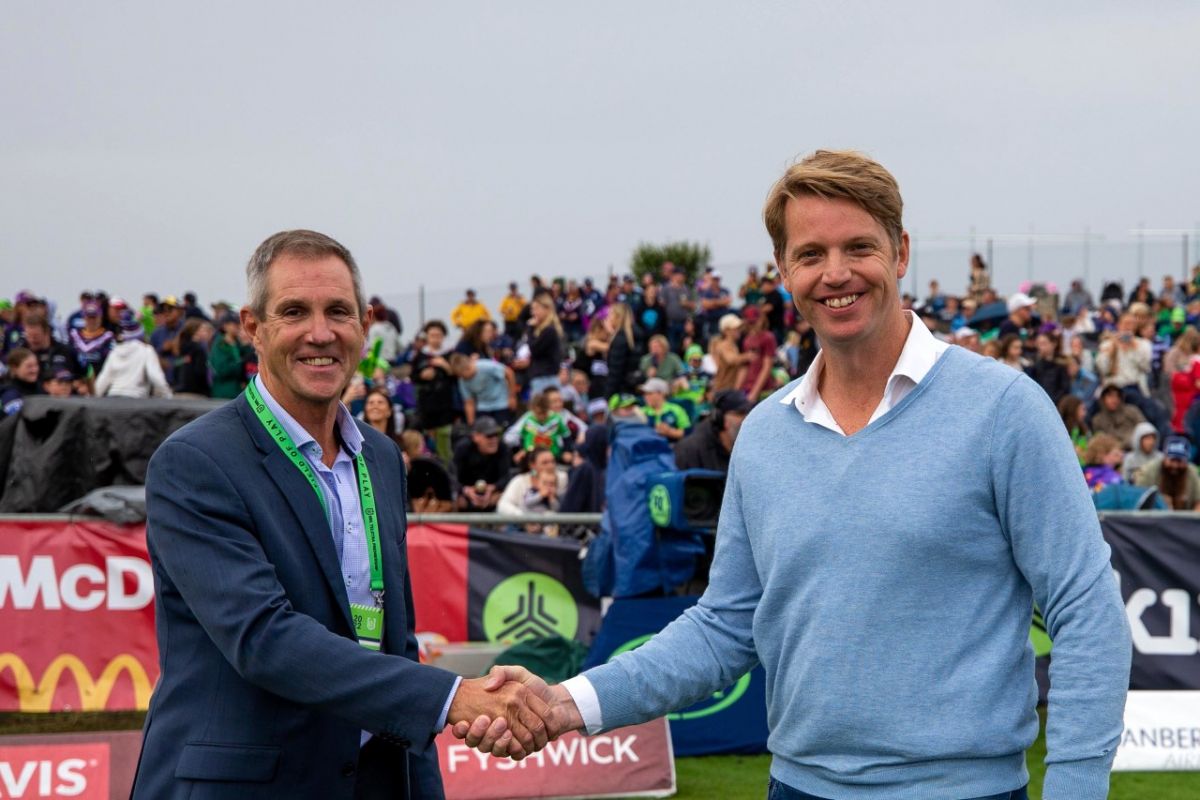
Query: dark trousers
point(382, 772)
point(781, 791)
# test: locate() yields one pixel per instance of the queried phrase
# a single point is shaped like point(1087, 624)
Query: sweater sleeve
point(1048, 516)
point(706, 649)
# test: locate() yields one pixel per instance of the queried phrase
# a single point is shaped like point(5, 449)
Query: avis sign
point(35, 771)
point(628, 762)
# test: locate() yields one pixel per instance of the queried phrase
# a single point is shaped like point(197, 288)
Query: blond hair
point(545, 301)
point(830, 174)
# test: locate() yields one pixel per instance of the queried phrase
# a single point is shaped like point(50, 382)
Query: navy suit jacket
point(264, 689)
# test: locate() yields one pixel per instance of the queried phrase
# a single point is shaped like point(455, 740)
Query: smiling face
point(311, 337)
point(376, 408)
point(842, 271)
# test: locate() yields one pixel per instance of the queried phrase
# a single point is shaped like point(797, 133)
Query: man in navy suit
point(284, 611)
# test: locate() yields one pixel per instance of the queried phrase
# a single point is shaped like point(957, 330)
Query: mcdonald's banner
point(77, 604)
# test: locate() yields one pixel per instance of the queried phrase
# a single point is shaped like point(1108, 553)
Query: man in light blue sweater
point(886, 585)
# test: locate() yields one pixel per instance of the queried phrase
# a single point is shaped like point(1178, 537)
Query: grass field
point(724, 777)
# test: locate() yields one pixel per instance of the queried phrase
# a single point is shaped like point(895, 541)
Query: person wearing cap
point(710, 443)
point(168, 324)
point(1020, 320)
point(468, 311)
point(697, 380)
point(59, 384)
point(132, 369)
point(92, 342)
point(228, 356)
point(482, 465)
point(1174, 476)
point(838, 518)
point(967, 338)
point(715, 302)
point(668, 419)
point(727, 353)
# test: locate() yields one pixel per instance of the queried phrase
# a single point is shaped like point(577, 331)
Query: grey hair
point(300, 244)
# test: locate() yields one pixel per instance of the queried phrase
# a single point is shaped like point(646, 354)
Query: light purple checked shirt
point(339, 485)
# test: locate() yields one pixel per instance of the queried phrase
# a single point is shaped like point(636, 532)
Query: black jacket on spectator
point(701, 449)
point(585, 486)
point(545, 352)
point(1052, 377)
point(435, 396)
point(622, 366)
point(55, 357)
point(470, 465)
point(191, 370)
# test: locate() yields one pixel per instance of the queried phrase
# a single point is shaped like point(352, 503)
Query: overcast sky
point(151, 146)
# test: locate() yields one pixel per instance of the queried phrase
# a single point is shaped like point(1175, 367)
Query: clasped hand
point(511, 712)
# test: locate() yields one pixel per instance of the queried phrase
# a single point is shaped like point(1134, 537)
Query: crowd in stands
point(515, 410)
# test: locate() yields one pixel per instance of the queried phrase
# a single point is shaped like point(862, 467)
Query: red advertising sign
point(30, 771)
point(77, 611)
point(628, 762)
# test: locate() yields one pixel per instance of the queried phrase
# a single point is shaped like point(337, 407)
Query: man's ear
point(250, 325)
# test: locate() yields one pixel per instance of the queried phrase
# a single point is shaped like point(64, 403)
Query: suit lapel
point(305, 507)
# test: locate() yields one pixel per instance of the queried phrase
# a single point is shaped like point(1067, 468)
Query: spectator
point(1173, 476)
point(146, 314)
point(540, 461)
point(1124, 358)
point(75, 321)
point(539, 429)
point(379, 412)
point(468, 311)
point(1102, 462)
point(652, 316)
point(660, 362)
point(132, 369)
point(545, 337)
point(697, 381)
point(592, 359)
point(1172, 292)
point(585, 484)
point(412, 446)
point(541, 498)
point(167, 326)
point(967, 338)
point(1114, 416)
point(482, 464)
point(434, 380)
point(576, 390)
point(558, 405)
point(1143, 450)
point(1047, 371)
point(597, 412)
point(511, 307)
point(1141, 293)
point(1078, 300)
point(1181, 367)
point(51, 355)
point(23, 371)
point(759, 344)
point(668, 419)
point(384, 331)
point(709, 444)
point(774, 306)
point(1020, 321)
point(678, 305)
point(1074, 417)
point(751, 291)
point(730, 360)
point(228, 357)
point(623, 374)
point(1011, 352)
point(715, 303)
point(192, 309)
point(60, 384)
point(570, 308)
point(1083, 383)
point(191, 365)
point(91, 341)
point(477, 340)
point(486, 387)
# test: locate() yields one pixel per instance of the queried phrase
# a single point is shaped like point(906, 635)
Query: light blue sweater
point(886, 580)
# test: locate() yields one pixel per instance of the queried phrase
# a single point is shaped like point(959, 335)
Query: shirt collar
point(351, 436)
point(920, 353)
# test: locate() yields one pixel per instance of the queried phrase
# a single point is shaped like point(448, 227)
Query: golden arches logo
point(93, 695)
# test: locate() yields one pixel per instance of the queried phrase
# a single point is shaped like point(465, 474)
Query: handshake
point(511, 712)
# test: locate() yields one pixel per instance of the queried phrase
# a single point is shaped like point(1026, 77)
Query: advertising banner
point(629, 762)
point(1156, 560)
point(85, 766)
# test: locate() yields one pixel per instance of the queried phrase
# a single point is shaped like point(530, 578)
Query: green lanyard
point(365, 493)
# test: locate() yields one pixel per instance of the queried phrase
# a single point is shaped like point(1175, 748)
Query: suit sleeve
point(203, 546)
